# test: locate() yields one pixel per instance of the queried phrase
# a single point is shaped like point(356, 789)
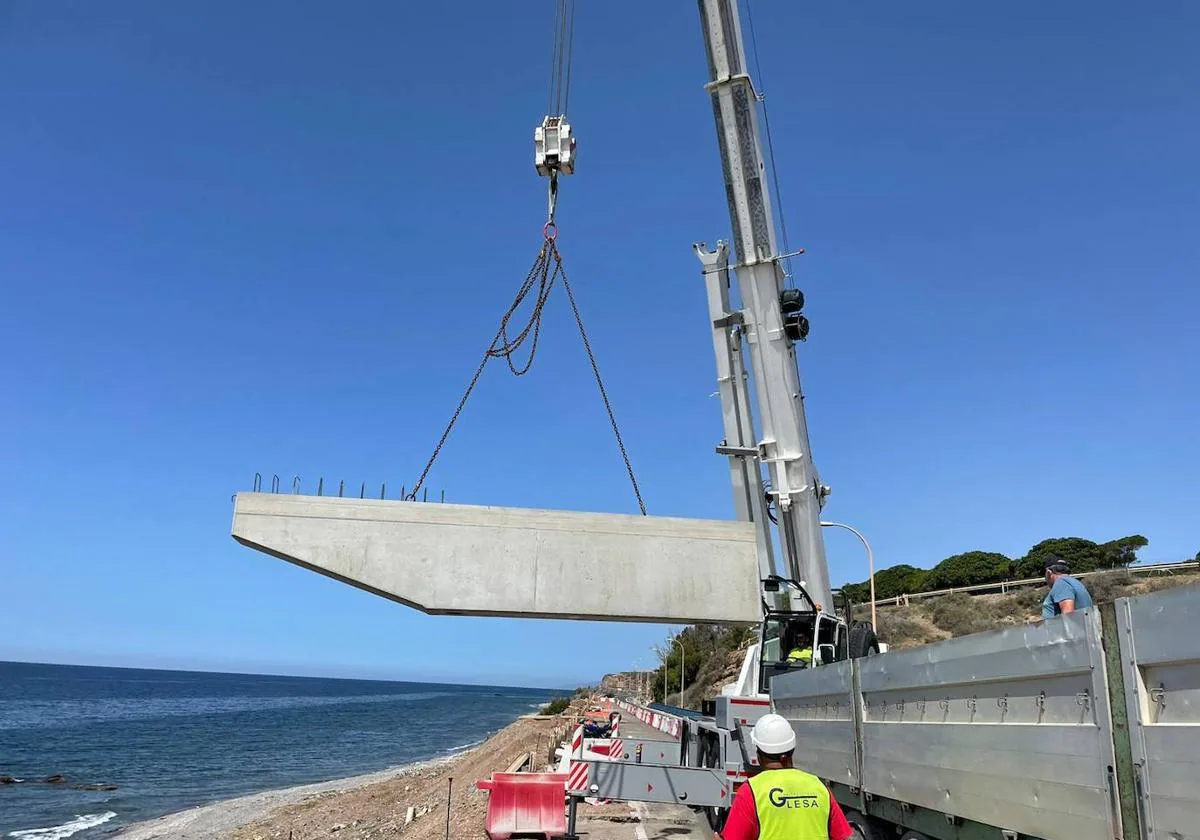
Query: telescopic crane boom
point(769, 322)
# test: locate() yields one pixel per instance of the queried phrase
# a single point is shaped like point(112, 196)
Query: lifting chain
point(546, 271)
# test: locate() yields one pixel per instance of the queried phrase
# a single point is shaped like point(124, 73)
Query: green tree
point(1082, 555)
point(900, 580)
point(889, 582)
point(968, 569)
point(860, 593)
point(1123, 552)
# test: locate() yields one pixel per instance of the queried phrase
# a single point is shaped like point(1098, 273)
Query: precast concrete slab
point(446, 559)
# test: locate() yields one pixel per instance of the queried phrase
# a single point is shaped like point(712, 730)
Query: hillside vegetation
point(976, 567)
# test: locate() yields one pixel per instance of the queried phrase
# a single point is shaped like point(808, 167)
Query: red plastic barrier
point(525, 804)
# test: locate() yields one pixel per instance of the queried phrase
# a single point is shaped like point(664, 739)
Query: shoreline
point(225, 815)
point(359, 805)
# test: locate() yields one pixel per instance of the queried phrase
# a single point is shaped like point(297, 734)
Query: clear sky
point(276, 236)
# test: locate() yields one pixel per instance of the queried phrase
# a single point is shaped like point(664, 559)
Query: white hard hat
point(773, 735)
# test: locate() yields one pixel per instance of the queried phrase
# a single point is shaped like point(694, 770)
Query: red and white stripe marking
point(577, 775)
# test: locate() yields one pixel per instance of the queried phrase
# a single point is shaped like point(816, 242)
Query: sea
point(170, 740)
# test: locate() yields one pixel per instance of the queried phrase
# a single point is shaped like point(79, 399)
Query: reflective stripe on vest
point(791, 805)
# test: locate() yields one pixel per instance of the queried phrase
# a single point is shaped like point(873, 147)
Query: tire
point(863, 641)
point(710, 755)
point(863, 828)
point(912, 835)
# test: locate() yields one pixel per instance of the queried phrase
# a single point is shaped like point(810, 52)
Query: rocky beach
point(408, 801)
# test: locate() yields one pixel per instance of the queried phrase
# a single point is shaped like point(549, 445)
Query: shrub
point(1108, 587)
point(556, 706)
point(1028, 602)
point(960, 615)
point(900, 629)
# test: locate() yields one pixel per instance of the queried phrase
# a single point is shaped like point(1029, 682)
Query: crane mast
point(761, 323)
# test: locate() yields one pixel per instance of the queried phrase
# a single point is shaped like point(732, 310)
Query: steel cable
point(541, 277)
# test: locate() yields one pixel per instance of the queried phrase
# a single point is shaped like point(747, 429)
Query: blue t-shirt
point(1066, 588)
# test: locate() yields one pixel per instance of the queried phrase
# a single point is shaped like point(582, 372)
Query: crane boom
point(784, 444)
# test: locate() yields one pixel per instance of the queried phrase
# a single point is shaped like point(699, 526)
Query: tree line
point(976, 567)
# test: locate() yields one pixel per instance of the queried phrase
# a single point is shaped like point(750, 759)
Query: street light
point(870, 559)
point(682, 668)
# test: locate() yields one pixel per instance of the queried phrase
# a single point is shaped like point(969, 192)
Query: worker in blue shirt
point(1066, 593)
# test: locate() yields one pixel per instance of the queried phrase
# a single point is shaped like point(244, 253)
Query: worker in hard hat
point(782, 802)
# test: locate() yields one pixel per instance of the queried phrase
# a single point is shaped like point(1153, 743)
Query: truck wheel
point(710, 756)
point(912, 835)
point(862, 828)
point(862, 640)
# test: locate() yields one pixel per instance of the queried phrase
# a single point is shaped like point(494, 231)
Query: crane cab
point(796, 633)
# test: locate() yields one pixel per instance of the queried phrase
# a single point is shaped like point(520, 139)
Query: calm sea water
point(174, 739)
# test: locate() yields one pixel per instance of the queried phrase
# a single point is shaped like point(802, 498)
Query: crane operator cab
point(796, 633)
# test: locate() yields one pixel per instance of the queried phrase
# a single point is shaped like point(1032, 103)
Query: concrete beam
point(465, 560)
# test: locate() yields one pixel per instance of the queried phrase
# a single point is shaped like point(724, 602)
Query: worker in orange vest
point(783, 802)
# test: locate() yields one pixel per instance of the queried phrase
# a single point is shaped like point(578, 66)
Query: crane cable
point(547, 270)
point(761, 96)
point(559, 96)
point(542, 278)
point(560, 58)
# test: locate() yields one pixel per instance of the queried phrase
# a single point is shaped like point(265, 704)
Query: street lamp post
point(682, 668)
point(870, 560)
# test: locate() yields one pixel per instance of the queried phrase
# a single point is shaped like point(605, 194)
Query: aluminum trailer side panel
point(1009, 728)
point(1162, 693)
point(820, 705)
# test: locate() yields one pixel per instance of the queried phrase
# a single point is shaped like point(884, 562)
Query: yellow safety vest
point(791, 805)
point(804, 655)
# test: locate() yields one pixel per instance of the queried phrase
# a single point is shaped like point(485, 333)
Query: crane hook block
point(554, 147)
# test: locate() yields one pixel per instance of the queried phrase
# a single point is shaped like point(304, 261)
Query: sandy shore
point(409, 800)
point(220, 819)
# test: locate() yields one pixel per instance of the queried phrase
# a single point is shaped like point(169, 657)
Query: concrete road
point(634, 729)
point(638, 821)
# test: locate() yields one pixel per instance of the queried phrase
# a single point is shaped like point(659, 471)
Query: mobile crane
point(1080, 728)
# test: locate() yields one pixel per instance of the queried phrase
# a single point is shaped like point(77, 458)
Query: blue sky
point(276, 236)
